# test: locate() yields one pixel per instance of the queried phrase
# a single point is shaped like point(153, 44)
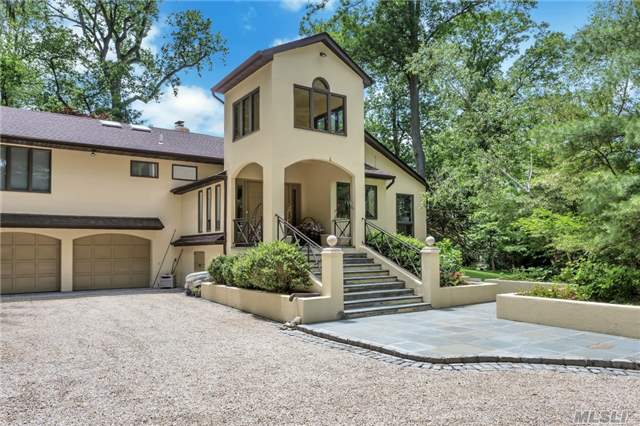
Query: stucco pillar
point(430, 262)
point(357, 224)
point(66, 264)
point(272, 200)
point(332, 276)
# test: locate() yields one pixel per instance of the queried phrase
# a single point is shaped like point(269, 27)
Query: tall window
point(218, 207)
point(371, 201)
point(199, 211)
point(144, 169)
point(343, 201)
point(25, 169)
point(246, 115)
point(208, 209)
point(404, 214)
point(316, 108)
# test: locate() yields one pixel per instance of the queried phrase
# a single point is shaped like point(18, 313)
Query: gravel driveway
point(167, 358)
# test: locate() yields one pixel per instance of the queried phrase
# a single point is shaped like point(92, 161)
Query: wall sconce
point(93, 154)
point(322, 54)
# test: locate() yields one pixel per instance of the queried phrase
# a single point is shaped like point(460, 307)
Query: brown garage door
point(30, 263)
point(110, 261)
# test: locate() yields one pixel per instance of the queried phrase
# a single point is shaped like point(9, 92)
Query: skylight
point(108, 123)
point(140, 128)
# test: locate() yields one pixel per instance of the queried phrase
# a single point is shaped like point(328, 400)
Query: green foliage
point(554, 291)
point(603, 282)
point(276, 267)
point(450, 264)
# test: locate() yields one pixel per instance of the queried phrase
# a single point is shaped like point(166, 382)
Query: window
point(343, 205)
point(144, 169)
point(246, 115)
point(218, 207)
point(208, 209)
point(317, 108)
point(180, 172)
point(404, 214)
point(25, 169)
point(371, 201)
point(200, 211)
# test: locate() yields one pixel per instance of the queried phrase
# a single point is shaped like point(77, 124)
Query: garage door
point(110, 261)
point(30, 263)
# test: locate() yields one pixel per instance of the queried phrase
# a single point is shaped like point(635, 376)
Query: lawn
point(486, 275)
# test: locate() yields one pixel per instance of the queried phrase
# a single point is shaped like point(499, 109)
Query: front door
point(198, 261)
point(343, 200)
point(292, 203)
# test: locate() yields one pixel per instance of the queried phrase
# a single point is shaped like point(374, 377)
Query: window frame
point(7, 169)
point(145, 162)
point(200, 212)
point(252, 116)
point(375, 202)
point(328, 94)
point(208, 206)
point(218, 207)
point(413, 214)
point(188, 166)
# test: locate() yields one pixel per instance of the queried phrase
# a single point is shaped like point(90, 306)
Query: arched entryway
point(30, 263)
point(107, 261)
point(248, 206)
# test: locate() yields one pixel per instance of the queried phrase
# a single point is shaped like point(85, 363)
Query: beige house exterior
point(118, 205)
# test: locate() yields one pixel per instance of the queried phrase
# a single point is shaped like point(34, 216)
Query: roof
point(372, 172)
point(69, 131)
point(378, 146)
point(200, 183)
point(262, 57)
point(199, 240)
point(24, 220)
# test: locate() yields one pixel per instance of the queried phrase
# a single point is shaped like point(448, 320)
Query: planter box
point(608, 318)
point(468, 294)
point(269, 305)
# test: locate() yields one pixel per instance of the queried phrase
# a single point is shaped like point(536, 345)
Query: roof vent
point(179, 126)
point(140, 128)
point(108, 123)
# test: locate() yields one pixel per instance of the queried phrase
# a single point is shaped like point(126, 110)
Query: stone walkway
point(463, 333)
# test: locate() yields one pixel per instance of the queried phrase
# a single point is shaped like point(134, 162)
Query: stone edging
point(572, 361)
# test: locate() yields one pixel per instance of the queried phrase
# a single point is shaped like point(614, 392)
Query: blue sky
point(249, 26)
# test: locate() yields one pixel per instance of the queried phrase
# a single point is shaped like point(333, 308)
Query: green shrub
point(554, 291)
point(532, 273)
point(218, 266)
point(450, 264)
point(602, 282)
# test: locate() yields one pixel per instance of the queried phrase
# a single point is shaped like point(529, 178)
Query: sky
point(249, 26)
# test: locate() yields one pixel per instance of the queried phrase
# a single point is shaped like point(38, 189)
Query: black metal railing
point(247, 232)
point(392, 247)
point(289, 233)
point(342, 228)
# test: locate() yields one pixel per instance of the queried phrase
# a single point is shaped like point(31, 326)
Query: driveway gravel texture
point(165, 358)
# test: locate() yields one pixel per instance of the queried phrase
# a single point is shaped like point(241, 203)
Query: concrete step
point(348, 288)
point(357, 261)
point(385, 310)
point(377, 294)
point(354, 255)
point(364, 273)
point(382, 301)
point(361, 279)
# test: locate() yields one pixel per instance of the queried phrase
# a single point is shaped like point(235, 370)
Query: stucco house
point(91, 204)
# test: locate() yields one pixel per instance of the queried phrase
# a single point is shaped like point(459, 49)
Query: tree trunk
point(117, 107)
point(416, 141)
point(394, 126)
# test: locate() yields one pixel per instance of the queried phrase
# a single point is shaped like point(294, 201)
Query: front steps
point(370, 290)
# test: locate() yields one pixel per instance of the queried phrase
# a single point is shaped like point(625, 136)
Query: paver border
point(474, 359)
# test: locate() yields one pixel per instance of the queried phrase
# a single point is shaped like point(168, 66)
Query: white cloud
point(153, 37)
point(201, 112)
point(282, 40)
point(247, 19)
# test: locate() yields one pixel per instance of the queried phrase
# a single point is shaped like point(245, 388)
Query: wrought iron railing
point(392, 247)
point(247, 232)
point(342, 228)
point(289, 233)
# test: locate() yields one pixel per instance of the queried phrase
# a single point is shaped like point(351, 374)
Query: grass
point(487, 275)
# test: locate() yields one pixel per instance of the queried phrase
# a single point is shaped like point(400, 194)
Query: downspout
point(226, 196)
point(393, 180)
point(217, 98)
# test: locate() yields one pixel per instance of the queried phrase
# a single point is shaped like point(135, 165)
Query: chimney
point(179, 126)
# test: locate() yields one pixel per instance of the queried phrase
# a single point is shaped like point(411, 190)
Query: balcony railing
point(392, 247)
point(292, 235)
point(247, 232)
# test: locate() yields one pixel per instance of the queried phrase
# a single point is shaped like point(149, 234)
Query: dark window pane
point(404, 214)
point(320, 120)
point(237, 120)
point(199, 211)
point(40, 170)
point(319, 83)
point(144, 169)
point(371, 201)
point(19, 168)
point(301, 107)
point(337, 114)
point(246, 116)
point(3, 166)
point(255, 109)
point(343, 207)
point(218, 207)
point(208, 209)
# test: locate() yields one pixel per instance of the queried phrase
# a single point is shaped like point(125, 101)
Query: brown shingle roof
point(25, 220)
point(262, 57)
point(372, 172)
point(70, 131)
point(200, 183)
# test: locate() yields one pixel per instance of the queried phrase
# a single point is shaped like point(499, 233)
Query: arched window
point(316, 108)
